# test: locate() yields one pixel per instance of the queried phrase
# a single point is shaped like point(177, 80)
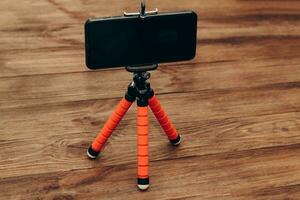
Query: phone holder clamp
point(142, 12)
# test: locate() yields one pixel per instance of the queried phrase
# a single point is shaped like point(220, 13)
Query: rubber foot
point(143, 183)
point(176, 141)
point(91, 153)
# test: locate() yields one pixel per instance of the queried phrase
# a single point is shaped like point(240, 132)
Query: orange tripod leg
point(143, 157)
point(108, 128)
point(164, 121)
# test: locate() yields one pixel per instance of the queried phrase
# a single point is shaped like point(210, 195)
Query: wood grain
point(201, 177)
point(236, 105)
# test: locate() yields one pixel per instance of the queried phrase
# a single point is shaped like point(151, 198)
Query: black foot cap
point(143, 183)
point(176, 141)
point(92, 154)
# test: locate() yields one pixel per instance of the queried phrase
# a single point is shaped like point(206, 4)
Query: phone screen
point(133, 41)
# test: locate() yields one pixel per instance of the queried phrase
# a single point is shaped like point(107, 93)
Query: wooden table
point(237, 105)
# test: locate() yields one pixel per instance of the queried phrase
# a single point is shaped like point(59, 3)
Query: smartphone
point(137, 41)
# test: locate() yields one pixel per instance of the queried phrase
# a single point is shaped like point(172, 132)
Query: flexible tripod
point(139, 89)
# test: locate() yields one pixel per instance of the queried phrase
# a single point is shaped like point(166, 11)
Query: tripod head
point(140, 81)
point(140, 88)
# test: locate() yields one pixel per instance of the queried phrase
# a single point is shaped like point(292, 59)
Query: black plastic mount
point(141, 68)
point(140, 89)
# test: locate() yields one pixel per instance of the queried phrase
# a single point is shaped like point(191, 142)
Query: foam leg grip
point(143, 141)
point(163, 119)
point(111, 124)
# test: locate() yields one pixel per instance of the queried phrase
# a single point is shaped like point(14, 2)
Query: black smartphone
point(135, 40)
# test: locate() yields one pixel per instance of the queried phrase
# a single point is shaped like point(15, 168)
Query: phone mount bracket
point(141, 14)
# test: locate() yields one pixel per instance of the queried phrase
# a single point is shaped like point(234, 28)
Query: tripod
point(139, 89)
